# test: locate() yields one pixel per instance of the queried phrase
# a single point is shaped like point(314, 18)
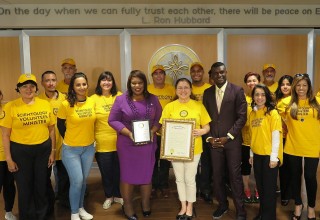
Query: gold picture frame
point(177, 141)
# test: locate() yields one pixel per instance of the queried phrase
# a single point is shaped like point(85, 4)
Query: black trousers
point(266, 181)
point(310, 177)
point(285, 179)
point(160, 177)
point(245, 165)
point(108, 163)
point(204, 175)
point(63, 183)
point(7, 183)
point(31, 179)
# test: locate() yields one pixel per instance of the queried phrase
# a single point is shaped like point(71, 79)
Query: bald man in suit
point(227, 106)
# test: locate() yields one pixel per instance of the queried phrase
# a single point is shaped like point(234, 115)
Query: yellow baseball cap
point(266, 66)
point(157, 67)
point(196, 64)
point(27, 77)
point(68, 61)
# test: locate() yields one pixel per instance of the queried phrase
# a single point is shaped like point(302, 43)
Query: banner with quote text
point(157, 15)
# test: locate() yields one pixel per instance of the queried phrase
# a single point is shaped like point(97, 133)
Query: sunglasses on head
point(301, 74)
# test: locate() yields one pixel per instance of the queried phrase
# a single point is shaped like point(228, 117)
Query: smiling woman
point(76, 119)
point(301, 111)
point(136, 161)
point(28, 133)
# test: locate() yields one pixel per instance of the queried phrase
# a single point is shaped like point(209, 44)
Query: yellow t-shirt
point(80, 121)
point(199, 90)
point(55, 104)
point(303, 134)
point(28, 123)
point(105, 135)
point(62, 87)
point(245, 130)
point(2, 156)
point(273, 88)
point(261, 128)
point(193, 110)
point(165, 95)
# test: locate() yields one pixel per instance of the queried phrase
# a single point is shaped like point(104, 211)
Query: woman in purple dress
point(136, 161)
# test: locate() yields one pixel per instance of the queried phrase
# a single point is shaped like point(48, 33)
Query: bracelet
point(53, 149)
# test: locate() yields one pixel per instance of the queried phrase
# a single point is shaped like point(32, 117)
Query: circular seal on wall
point(176, 59)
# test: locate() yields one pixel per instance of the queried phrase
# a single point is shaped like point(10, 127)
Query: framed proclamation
point(141, 132)
point(177, 142)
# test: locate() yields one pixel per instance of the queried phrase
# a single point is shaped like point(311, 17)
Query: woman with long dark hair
point(266, 145)
point(76, 118)
point(283, 91)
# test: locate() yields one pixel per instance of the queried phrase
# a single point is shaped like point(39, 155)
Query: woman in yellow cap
point(29, 140)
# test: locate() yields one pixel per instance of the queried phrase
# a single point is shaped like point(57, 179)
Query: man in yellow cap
point(269, 73)
point(68, 68)
point(204, 176)
point(165, 94)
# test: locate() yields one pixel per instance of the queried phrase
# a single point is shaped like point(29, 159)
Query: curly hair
point(270, 105)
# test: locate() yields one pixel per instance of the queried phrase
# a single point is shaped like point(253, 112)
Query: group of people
point(233, 131)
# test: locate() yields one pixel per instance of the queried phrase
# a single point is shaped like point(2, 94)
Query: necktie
point(219, 99)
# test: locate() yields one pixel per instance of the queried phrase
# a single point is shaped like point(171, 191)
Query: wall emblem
point(176, 60)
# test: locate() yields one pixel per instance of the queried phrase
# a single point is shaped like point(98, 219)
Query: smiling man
point(68, 68)
point(165, 94)
point(269, 73)
point(204, 175)
point(227, 107)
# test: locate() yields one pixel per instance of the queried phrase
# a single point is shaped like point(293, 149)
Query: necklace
point(139, 115)
point(303, 111)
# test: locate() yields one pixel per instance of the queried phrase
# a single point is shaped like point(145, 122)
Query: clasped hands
point(218, 142)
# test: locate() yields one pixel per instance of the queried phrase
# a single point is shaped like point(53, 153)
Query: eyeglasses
point(301, 74)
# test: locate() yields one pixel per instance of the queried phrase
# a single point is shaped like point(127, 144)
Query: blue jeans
point(78, 161)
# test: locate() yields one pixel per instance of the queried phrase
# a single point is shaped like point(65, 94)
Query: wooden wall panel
point(250, 52)
point(143, 48)
point(93, 55)
point(317, 66)
point(10, 68)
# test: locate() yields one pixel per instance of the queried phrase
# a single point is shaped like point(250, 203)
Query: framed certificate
point(177, 142)
point(141, 132)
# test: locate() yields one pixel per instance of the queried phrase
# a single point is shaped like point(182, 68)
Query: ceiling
point(286, 2)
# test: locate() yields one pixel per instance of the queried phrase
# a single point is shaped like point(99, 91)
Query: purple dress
point(136, 162)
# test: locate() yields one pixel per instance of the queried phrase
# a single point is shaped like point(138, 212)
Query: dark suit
point(231, 119)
